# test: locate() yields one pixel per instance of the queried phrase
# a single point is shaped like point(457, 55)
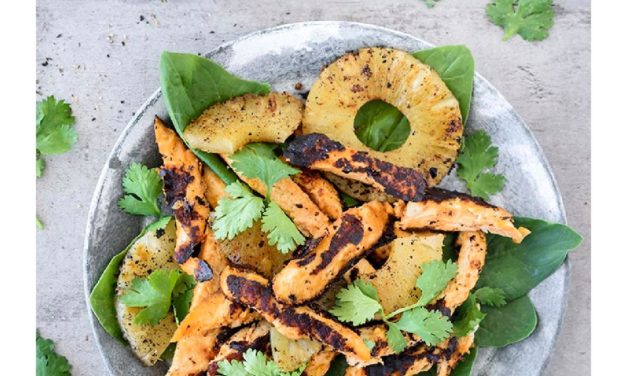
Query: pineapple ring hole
point(381, 126)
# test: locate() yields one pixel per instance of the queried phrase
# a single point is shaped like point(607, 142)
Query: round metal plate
point(284, 56)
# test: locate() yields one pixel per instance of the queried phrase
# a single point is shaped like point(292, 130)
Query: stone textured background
point(102, 57)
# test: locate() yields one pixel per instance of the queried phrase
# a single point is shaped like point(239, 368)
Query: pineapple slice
point(226, 127)
point(152, 251)
point(399, 79)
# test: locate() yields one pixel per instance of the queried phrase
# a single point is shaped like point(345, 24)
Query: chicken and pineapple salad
point(311, 238)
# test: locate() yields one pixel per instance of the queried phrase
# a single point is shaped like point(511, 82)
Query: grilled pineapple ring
point(401, 80)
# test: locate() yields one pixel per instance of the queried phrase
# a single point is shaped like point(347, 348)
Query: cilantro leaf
point(54, 129)
point(40, 164)
point(430, 3)
point(477, 155)
point(434, 277)
point(357, 303)
point(258, 161)
point(282, 232)
point(395, 338)
point(154, 293)
point(40, 224)
point(531, 19)
point(493, 297)
point(142, 187)
point(255, 363)
point(237, 212)
point(467, 318)
point(48, 362)
point(182, 296)
point(431, 326)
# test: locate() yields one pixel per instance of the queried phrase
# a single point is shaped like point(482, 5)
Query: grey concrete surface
point(102, 57)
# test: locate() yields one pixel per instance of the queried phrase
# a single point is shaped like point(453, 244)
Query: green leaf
point(102, 297)
point(467, 318)
point(153, 293)
point(395, 338)
point(338, 366)
point(258, 161)
point(490, 296)
point(431, 326)
point(357, 303)
point(464, 368)
point(449, 250)
point(190, 84)
point(255, 363)
point(381, 126)
point(40, 164)
point(518, 268)
point(281, 231)
point(168, 354)
point(237, 212)
point(434, 277)
point(182, 296)
point(48, 362)
point(142, 187)
point(348, 201)
point(456, 67)
point(55, 133)
point(40, 224)
point(508, 324)
point(430, 3)
point(478, 155)
point(531, 19)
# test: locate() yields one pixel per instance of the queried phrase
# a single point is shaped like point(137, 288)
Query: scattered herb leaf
point(281, 231)
point(236, 213)
point(492, 297)
point(531, 19)
point(154, 293)
point(55, 132)
point(142, 187)
point(478, 155)
point(40, 224)
point(48, 362)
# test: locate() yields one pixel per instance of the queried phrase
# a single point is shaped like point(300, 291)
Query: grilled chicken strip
point(320, 363)
point(211, 311)
point(306, 215)
point(377, 333)
point(215, 187)
point(453, 211)
point(253, 290)
point(447, 364)
point(321, 191)
point(193, 354)
point(472, 252)
point(306, 276)
point(184, 191)
point(318, 152)
point(255, 336)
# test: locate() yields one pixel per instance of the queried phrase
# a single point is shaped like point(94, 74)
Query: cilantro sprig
point(156, 293)
point(255, 363)
point(531, 19)
point(55, 132)
point(48, 362)
point(359, 303)
point(142, 187)
point(493, 297)
point(242, 208)
point(478, 155)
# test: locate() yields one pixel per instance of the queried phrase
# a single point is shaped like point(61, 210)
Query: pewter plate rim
point(155, 97)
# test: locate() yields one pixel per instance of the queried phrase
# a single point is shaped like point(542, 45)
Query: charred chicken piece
point(255, 337)
point(321, 191)
point(253, 290)
point(453, 211)
point(307, 276)
point(318, 152)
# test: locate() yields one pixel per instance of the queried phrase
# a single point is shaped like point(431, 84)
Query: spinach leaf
point(464, 368)
point(381, 126)
point(338, 366)
point(518, 268)
point(456, 67)
point(102, 296)
point(508, 324)
point(190, 84)
point(449, 249)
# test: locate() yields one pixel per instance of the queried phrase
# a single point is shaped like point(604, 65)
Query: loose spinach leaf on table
point(191, 84)
point(102, 296)
point(518, 268)
point(508, 324)
point(383, 127)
